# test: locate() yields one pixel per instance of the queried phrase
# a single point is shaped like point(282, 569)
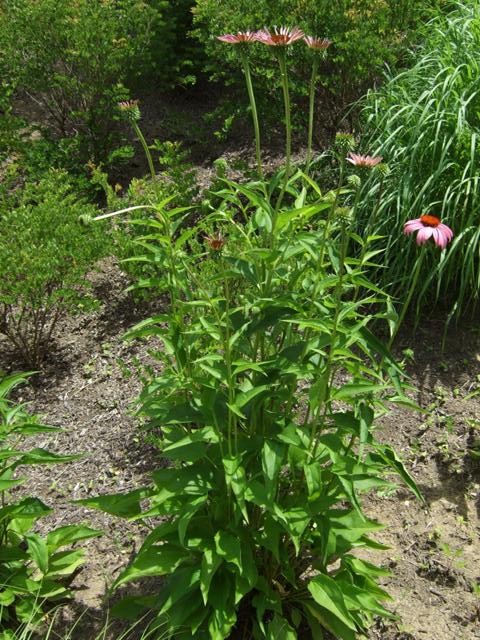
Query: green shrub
point(44, 256)
point(75, 59)
point(425, 122)
point(34, 570)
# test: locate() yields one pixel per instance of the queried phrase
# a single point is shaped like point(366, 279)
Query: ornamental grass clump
point(425, 120)
point(264, 401)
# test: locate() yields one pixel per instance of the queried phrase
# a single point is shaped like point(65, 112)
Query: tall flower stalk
point(280, 39)
point(253, 106)
point(242, 38)
point(317, 45)
point(282, 61)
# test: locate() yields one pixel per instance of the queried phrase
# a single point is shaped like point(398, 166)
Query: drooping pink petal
point(424, 234)
point(412, 225)
point(446, 231)
point(359, 160)
point(318, 44)
point(238, 38)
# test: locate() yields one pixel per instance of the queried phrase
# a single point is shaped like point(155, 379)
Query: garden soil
point(89, 383)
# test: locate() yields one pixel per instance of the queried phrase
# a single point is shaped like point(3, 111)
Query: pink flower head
point(280, 37)
point(239, 37)
point(319, 44)
point(364, 161)
point(429, 227)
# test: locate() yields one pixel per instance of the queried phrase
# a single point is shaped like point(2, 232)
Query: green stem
point(311, 111)
point(282, 61)
point(253, 105)
point(330, 215)
point(232, 419)
point(416, 274)
point(146, 149)
point(328, 367)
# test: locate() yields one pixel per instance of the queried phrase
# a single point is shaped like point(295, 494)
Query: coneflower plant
point(263, 409)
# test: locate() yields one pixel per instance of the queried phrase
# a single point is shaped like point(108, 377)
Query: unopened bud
point(344, 141)
point(130, 110)
point(344, 214)
point(383, 169)
point(354, 181)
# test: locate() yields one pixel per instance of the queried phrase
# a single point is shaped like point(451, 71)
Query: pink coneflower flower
point(364, 161)
point(318, 44)
point(429, 227)
point(239, 37)
point(280, 37)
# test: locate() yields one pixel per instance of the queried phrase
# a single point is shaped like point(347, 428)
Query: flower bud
point(344, 214)
point(354, 181)
point(344, 141)
point(130, 110)
point(383, 169)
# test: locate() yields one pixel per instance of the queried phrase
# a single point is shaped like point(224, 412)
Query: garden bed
point(86, 388)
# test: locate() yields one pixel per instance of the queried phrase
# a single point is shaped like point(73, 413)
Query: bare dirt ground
point(88, 386)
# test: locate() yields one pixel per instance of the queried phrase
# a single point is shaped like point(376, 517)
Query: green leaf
point(156, 560)
point(273, 454)
point(8, 484)
point(351, 389)
point(228, 547)
point(279, 629)
point(123, 506)
point(41, 456)
point(328, 595)
point(70, 534)
point(263, 220)
point(328, 621)
point(10, 382)
point(235, 478)
point(211, 561)
point(388, 455)
point(193, 446)
point(38, 550)
point(182, 582)
point(187, 514)
point(64, 563)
